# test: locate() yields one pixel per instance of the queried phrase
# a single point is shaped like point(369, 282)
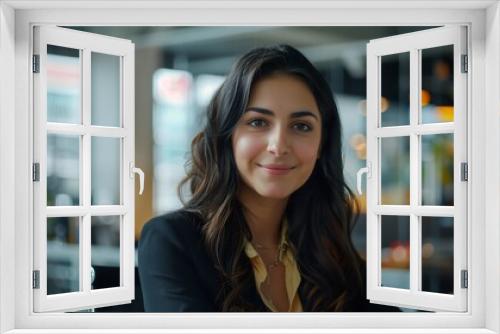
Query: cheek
point(307, 152)
point(246, 148)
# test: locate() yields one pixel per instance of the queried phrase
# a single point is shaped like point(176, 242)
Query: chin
point(275, 194)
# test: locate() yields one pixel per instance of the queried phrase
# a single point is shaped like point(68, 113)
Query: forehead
point(282, 93)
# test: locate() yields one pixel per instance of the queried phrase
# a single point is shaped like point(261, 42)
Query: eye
point(257, 123)
point(302, 127)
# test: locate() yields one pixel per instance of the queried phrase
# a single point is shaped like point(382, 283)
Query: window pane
point(63, 170)
point(437, 169)
point(395, 81)
point(106, 171)
point(437, 254)
point(437, 84)
point(106, 86)
point(395, 251)
point(105, 253)
point(63, 84)
point(395, 170)
point(63, 262)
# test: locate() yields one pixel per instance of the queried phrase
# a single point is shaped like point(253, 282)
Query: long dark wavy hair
point(321, 214)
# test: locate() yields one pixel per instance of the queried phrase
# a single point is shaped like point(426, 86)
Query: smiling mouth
point(276, 170)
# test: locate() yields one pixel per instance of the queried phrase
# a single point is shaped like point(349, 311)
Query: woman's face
point(276, 141)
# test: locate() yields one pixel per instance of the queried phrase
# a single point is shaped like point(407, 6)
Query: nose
point(278, 142)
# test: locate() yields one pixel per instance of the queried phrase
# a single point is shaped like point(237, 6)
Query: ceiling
point(216, 48)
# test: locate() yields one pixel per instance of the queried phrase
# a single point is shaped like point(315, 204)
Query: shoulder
point(180, 227)
point(175, 271)
point(171, 239)
point(179, 221)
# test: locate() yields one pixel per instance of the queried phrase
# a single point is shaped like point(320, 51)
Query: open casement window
point(83, 168)
point(417, 170)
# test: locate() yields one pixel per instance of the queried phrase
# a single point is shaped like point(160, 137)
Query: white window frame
point(16, 215)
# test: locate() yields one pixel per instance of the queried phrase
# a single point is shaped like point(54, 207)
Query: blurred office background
point(177, 70)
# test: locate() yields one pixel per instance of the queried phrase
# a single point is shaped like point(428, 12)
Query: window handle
point(134, 170)
point(361, 171)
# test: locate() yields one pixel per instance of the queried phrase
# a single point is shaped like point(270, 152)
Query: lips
point(276, 169)
point(276, 166)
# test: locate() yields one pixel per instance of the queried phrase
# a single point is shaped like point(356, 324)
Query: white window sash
point(85, 297)
point(414, 297)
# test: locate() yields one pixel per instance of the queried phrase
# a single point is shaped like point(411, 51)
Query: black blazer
point(178, 275)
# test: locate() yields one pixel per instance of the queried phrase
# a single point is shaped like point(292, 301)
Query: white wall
point(6, 166)
point(492, 214)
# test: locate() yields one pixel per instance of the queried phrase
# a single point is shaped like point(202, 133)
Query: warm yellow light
point(384, 104)
point(361, 152)
point(358, 143)
point(445, 113)
point(425, 97)
point(357, 139)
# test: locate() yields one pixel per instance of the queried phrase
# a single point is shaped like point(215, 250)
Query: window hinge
point(36, 279)
point(36, 172)
point(36, 63)
point(465, 279)
point(464, 171)
point(465, 67)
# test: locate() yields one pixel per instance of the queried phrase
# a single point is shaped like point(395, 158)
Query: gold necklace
point(271, 266)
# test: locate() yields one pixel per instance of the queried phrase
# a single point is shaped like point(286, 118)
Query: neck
point(263, 216)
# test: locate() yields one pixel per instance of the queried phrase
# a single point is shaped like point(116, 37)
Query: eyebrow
point(295, 114)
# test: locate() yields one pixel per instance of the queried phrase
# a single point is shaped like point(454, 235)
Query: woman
point(268, 223)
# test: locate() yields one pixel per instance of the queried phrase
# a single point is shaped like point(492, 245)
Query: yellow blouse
point(292, 275)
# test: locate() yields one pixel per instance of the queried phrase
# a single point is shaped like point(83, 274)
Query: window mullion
point(420, 129)
point(85, 245)
point(415, 265)
point(422, 210)
point(78, 129)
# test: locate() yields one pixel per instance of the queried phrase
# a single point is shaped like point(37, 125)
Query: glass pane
point(395, 251)
point(63, 170)
point(105, 253)
point(106, 171)
point(437, 84)
point(63, 85)
point(395, 170)
point(106, 85)
point(395, 81)
point(437, 169)
point(437, 254)
point(63, 262)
